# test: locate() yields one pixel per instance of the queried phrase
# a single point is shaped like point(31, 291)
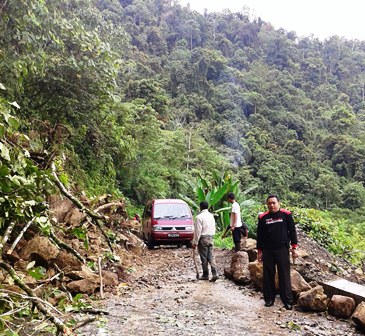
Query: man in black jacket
point(275, 231)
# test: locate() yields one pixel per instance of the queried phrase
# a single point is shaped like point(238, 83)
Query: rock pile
point(308, 291)
point(92, 262)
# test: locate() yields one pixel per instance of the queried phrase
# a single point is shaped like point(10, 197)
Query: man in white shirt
point(204, 230)
point(235, 221)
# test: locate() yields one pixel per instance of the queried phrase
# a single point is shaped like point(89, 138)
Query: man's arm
point(197, 231)
point(292, 231)
point(233, 220)
point(293, 236)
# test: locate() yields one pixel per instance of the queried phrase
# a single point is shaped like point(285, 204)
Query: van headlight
point(189, 228)
point(157, 228)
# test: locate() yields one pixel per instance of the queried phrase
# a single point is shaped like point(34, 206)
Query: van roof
point(168, 200)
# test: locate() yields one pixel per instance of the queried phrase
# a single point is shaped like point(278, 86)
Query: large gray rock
point(341, 306)
point(313, 299)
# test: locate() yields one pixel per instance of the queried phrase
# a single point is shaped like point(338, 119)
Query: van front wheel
point(189, 244)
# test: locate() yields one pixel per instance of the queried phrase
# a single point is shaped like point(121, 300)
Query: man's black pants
point(236, 234)
point(280, 258)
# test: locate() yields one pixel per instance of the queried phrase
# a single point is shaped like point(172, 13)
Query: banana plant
point(214, 192)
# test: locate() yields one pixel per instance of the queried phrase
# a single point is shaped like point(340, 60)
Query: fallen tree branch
point(6, 236)
point(93, 311)
point(43, 282)
point(62, 283)
point(60, 325)
point(84, 322)
point(68, 248)
point(16, 241)
point(94, 216)
point(32, 298)
point(108, 205)
point(73, 199)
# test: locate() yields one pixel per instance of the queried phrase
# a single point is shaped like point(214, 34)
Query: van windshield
point(171, 211)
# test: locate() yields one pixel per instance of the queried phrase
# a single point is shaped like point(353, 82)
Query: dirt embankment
point(164, 298)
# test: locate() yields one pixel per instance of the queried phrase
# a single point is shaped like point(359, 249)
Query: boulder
point(297, 281)
point(298, 284)
point(313, 299)
point(359, 315)
point(239, 270)
point(134, 244)
point(67, 262)
point(84, 273)
point(59, 208)
point(341, 306)
point(84, 286)
point(41, 250)
point(249, 245)
point(109, 278)
point(256, 271)
point(227, 272)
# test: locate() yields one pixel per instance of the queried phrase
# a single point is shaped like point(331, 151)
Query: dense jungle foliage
point(142, 97)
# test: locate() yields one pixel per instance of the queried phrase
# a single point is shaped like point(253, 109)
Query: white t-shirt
point(236, 209)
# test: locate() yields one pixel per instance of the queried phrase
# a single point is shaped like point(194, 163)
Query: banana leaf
point(218, 195)
point(200, 194)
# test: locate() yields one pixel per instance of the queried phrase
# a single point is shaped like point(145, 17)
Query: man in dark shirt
point(275, 231)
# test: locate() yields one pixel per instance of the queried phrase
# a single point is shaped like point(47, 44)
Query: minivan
point(167, 221)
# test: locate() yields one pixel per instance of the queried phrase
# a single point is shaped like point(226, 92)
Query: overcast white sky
point(320, 18)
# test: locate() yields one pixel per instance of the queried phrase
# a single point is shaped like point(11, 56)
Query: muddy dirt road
point(166, 299)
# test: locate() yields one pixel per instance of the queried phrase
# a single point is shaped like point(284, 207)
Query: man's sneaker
point(203, 277)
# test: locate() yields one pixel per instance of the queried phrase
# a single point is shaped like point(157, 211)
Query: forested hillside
point(153, 93)
point(141, 97)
